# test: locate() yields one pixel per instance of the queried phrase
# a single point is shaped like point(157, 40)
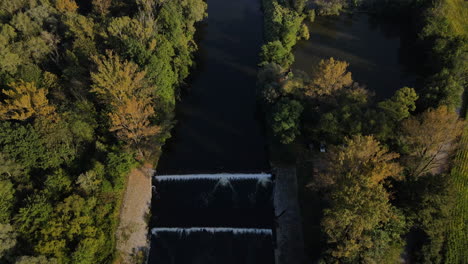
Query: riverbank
point(132, 233)
point(289, 238)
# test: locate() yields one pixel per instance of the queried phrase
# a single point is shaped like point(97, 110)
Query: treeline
point(445, 37)
point(88, 90)
point(386, 175)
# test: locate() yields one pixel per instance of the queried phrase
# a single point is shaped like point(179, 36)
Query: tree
point(329, 7)
point(429, 140)
point(101, 7)
point(360, 214)
point(70, 222)
point(7, 192)
point(274, 52)
point(285, 119)
point(429, 201)
point(90, 181)
point(401, 104)
point(304, 33)
point(7, 238)
point(126, 90)
point(35, 260)
point(58, 184)
point(362, 157)
point(9, 60)
point(340, 116)
point(268, 78)
point(32, 217)
point(131, 121)
point(330, 76)
point(9, 169)
point(66, 5)
point(115, 80)
point(25, 100)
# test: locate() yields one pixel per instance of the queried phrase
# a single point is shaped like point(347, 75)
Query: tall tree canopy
point(429, 140)
point(360, 224)
point(328, 77)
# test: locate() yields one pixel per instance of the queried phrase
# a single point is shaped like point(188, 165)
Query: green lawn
point(457, 246)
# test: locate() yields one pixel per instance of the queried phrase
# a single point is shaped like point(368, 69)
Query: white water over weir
point(212, 230)
point(215, 177)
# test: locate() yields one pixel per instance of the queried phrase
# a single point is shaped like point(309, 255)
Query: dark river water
point(378, 51)
point(218, 127)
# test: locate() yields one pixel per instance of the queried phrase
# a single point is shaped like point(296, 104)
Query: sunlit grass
point(457, 246)
point(457, 13)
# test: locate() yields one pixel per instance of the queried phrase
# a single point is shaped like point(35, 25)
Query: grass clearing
point(457, 13)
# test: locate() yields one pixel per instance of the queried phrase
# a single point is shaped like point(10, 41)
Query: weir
point(236, 231)
point(197, 213)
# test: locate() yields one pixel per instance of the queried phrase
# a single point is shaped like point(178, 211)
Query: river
point(219, 129)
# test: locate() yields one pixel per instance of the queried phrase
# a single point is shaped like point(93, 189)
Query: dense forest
point(384, 188)
point(88, 90)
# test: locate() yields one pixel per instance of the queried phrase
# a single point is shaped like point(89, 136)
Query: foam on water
point(263, 177)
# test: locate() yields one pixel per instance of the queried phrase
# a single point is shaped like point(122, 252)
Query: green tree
point(7, 192)
point(35, 260)
point(71, 221)
point(33, 216)
point(428, 202)
point(330, 7)
point(340, 116)
point(90, 181)
point(402, 103)
point(274, 52)
point(58, 184)
point(285, 119)
point(7, 239)
point(10, 169)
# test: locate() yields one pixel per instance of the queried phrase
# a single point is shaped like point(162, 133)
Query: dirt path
point(132, 234)
point(289, 238)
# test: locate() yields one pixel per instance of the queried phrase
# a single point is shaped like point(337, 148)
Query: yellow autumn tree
point(25, 100)
point(66, 5)
point(124, 88)
point(116, 80)
point(329, 76)
point(131, 121)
